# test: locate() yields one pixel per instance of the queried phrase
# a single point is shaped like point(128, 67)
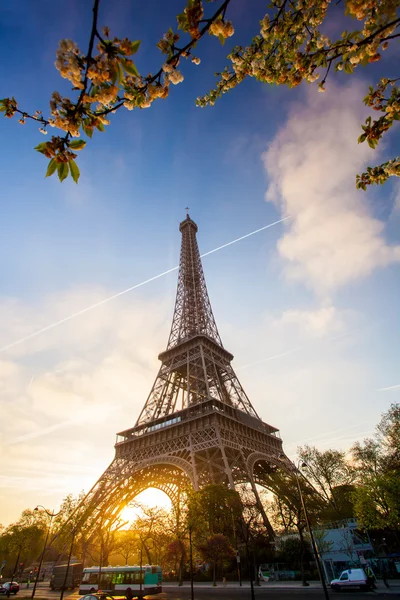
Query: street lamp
point(14, 571)
point(51, 515)
point(296, 471)
point(69, 562)
point(191, 563)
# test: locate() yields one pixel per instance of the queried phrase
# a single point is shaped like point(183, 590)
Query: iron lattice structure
point(197, 426)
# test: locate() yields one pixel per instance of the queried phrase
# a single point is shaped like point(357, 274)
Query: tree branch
point(89, 53)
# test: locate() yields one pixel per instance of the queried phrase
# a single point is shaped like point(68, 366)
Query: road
point(223, 593)
point(260, 594)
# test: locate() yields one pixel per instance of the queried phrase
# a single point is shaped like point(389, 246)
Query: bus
point(264, 573)
point(116, 580)
point(74, 576)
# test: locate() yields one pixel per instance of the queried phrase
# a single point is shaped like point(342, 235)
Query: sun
point(151, 497)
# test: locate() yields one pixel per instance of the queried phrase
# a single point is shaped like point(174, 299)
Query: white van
point(352, 578)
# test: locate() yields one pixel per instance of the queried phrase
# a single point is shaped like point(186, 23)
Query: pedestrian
point(128, 593)
point(384, 576)
point(224, 581)
point(371, 578)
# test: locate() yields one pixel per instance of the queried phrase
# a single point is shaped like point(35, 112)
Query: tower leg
point(228, 469)
point(260, 507)
point(194, 466)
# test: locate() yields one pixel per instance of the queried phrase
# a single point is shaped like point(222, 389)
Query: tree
point(290, 48)
point(107, 540)
point(252, 532)
point(388, 434)
point(148, 536)
point(127, 544)
point(216, 550)
point(292, 549)
point(23, 541)
point(214, 509)
point(332, 477)
point(176, 555)
point(377, 462)
point(287, 514)
point(346, 544)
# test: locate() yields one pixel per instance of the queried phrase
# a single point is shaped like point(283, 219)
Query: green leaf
point(221, 39)
point(131, 68)
point(52, 167)
point(77, 144)
point(120, 74)
point(62, 169)
point(135, 46)
point(100, 126)
point(41, 147)
point(348, 67)
point(73, 167)
point(182, 21)
point(87, 130)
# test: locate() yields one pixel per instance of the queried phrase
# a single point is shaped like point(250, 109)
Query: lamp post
point(237, 550)
point(14, 571)
point(68, 563)
point(51, 515)
point(296, 471)
point(191, 563)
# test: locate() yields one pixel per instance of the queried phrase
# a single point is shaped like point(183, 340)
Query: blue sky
point(308, 307)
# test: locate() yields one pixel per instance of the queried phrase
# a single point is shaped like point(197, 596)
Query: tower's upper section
point(193, 314)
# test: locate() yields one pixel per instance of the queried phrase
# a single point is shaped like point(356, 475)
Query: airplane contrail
point(133, 287)
point(392, 387)
point(275, 356)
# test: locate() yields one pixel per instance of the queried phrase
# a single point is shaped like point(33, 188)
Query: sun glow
point(152, 497)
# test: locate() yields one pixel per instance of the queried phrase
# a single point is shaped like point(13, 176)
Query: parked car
point(5, 587)
point(351, 578)
point(97, 596)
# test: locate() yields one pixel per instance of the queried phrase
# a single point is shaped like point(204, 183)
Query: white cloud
point(332, 238)
point(319, 322)
point(66, 393)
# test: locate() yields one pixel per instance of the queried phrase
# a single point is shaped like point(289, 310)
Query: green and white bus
point(116, 580)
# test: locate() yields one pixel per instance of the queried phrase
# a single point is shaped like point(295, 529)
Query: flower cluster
point(70, 62)
point(174, 77)
point(63, 115)
point(60, 152)
point(222, 28)
point(379, 174)
point(167, 43)
point(190, 18)
point(290, 48)
point(9, 107)
point(56, 148)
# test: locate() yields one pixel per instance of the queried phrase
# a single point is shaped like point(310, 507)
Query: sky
point(308, 306)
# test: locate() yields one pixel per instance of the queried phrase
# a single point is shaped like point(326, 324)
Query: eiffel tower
point(197, 426)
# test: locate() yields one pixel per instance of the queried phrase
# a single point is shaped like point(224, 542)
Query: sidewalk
point(394, 584)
